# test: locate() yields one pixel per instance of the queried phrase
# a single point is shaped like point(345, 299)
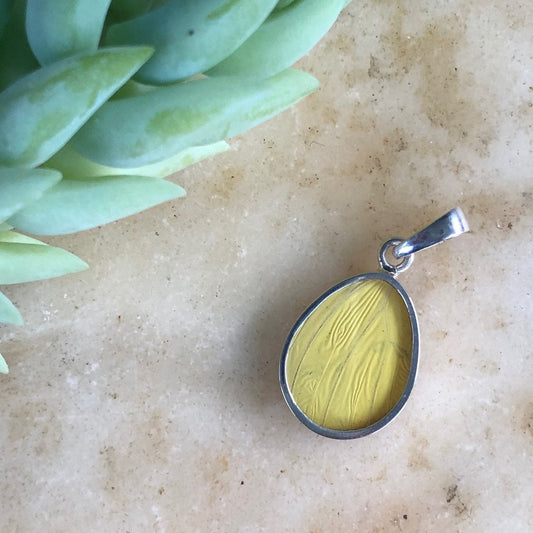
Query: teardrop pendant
point(350, 361)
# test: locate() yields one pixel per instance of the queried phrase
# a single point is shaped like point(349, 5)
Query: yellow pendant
point(350, 357)
point(350, 361)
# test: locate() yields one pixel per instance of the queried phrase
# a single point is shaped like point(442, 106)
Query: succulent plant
point(102, 99)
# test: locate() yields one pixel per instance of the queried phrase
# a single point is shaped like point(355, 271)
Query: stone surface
point(143, 393)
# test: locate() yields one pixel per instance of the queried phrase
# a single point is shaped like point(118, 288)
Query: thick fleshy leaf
point(72, 165)
point(8, 312)
point(189, 36)
point(3, 366)
point(16, 56)
point(21, 262)
point(61, 28)
point(286, 36)
point(40, 112)
point(282, 4)
point(13, 236)
point(19, 186)
point(132, 88)
point(76, 205)
point(145, 129)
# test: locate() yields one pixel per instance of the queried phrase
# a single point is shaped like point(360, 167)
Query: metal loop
point(384, 263)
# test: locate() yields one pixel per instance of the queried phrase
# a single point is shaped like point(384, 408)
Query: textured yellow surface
point(348, 363)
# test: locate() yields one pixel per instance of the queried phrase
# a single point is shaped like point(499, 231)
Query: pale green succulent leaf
point(132, 88)
point(19, 186)
point(73, 165)
point(16, 57)
point(60, 28)
point(189, 36)
point(9, 313)
point(22, 262)
point(4, 226)
point(13, 236)
point(285, 36)
point(181, 160)
point(148, 128)
point(40, 112)
point(3, 366)
point(282, 4)
point(76, 205)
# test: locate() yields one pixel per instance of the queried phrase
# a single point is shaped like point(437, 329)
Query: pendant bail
point(450, 225)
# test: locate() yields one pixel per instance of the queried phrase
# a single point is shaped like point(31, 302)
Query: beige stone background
point(143, 393)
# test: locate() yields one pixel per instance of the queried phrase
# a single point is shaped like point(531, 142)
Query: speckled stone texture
point(143, 393)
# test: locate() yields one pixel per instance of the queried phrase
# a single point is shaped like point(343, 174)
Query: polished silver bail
point(452, 224)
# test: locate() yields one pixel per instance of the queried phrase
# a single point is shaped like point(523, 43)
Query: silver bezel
point(356, 433)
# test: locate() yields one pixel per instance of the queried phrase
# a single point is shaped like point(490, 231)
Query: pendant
point(350, 361)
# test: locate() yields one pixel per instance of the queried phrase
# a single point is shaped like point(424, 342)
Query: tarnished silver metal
point(452, 224)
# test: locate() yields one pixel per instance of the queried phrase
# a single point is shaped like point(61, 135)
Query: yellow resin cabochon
point(348, 363)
